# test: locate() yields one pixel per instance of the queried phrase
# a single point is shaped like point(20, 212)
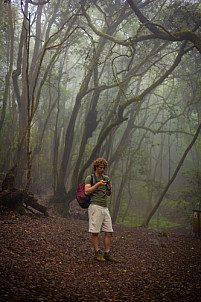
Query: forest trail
point(51, 259)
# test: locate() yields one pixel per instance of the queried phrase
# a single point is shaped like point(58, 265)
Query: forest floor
point(51, 259)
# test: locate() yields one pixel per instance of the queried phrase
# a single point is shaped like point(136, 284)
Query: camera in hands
point(108, 187)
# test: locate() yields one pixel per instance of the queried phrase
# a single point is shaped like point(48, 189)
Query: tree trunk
point(9, 73)
point(15, 199)
point(109, 30)
point(21, 99)
point(146, 223)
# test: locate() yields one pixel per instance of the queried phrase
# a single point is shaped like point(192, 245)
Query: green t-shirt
point(99, 196)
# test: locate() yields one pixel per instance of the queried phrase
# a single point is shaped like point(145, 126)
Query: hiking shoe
point(99, 256)
point(108, 256)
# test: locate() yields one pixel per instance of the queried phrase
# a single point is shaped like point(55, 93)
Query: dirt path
point(51, 259)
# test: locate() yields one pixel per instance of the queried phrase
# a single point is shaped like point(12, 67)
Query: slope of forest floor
point(51, 259)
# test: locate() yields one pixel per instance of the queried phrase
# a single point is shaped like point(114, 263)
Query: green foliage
point(171, 216)
point(192, 192)
point(164, 224)
point(181, 15)
point(139, 147)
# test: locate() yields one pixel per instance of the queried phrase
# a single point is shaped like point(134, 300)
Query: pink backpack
point(83, 200)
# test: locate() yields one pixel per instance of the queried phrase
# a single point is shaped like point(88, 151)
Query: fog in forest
point(116, 79)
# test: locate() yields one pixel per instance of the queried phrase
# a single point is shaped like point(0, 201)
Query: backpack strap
point(96, 180)
point(91, 180)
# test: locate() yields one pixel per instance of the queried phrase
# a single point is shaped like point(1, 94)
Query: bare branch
point(38, 3)
point(162, 131)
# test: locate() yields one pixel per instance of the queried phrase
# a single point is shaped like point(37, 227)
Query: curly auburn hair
point(98, 162)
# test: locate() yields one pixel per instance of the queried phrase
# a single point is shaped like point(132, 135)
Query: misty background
point(114, 79)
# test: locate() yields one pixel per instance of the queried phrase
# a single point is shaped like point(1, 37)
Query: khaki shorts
point(99, 219)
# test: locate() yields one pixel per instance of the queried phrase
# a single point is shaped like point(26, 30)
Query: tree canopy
point(115, 79)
